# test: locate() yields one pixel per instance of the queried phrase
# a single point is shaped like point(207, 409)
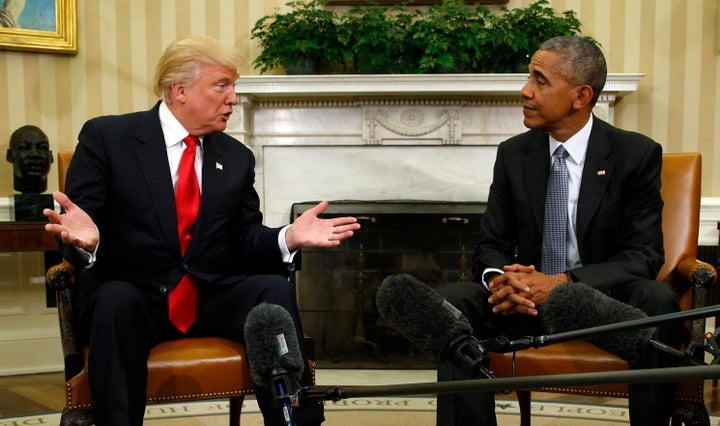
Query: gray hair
point(583, 62)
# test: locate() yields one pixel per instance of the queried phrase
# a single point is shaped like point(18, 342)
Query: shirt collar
point(173, 131)
point(577, 145)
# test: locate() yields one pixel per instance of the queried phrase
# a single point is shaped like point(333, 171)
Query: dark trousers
point(649, 404)
point(122, 323)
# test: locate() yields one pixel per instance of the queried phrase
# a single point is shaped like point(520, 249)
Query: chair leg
point(236, 404)
point(690, 414)
point(524, 403)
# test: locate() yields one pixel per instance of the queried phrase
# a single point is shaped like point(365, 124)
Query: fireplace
point(433, 241)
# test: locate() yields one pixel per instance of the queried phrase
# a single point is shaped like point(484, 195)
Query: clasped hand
point(521, 289)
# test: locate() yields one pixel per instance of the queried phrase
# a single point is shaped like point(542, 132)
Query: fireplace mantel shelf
point(338, 85)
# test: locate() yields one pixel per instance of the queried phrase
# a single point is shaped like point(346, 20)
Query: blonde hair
point(182, 60)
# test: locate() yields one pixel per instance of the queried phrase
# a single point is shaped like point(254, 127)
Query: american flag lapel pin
point(601, 173)
point(218, 166)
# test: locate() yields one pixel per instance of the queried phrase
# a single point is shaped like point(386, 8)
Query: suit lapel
point(151, 154)
point(536, 163)
point(595, 178)
point(212, 186)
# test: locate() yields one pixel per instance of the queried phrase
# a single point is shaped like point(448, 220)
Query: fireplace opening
point(431, 240)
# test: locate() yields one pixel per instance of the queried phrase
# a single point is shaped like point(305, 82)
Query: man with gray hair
point(594, 187)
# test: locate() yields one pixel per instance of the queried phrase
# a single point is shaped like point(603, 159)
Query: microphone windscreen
point(271, 343)
point(577, 306)
point(421, 314)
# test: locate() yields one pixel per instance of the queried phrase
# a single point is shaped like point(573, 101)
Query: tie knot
point(190, 141)
point(560, 152)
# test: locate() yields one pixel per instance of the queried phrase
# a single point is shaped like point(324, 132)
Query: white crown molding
point(335, 85)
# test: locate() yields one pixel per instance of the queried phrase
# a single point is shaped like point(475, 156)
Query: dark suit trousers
point(649, 404)
point(123, 323)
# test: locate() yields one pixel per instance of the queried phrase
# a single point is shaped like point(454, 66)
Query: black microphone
point(577, 306)
point(431, 323)
point(273, 353)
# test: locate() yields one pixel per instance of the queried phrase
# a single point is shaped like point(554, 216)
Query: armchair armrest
point(701, 276)
point(60, 278)
point(696, 272)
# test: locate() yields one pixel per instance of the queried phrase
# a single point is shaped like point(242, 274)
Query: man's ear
point(9, 156)
point(177, 92)
point(584, 96)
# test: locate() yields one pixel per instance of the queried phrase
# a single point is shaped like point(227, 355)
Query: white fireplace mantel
point(426, 137)
point(345, 85)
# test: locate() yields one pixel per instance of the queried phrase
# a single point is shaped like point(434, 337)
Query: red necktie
point(183, 298)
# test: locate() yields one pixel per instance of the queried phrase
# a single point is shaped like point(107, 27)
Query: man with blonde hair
point(165, 225)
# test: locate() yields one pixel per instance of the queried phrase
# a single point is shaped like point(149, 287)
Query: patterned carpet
point(391, 411)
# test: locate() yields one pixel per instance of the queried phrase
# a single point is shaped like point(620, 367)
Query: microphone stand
point(651, 375)
point(282, 397)
point(504, 345)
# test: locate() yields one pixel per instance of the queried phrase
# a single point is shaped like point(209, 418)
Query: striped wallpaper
point(674, 42)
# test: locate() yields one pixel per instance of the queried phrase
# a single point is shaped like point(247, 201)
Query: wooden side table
point(26, 236)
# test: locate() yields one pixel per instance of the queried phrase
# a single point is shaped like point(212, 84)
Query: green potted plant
point(300, 40)
point(374, 39)
point(449, 37)
point(515, 35)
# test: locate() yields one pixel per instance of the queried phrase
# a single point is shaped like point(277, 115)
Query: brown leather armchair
point(180, 370)
point(681, 178)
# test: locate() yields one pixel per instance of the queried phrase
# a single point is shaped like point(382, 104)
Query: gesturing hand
point(309, 230)
point(74, 226)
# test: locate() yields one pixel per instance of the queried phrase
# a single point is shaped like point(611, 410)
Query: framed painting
point(39, 25)
point(412, 3)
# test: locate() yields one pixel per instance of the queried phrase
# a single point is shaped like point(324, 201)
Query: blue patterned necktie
point(554, 245)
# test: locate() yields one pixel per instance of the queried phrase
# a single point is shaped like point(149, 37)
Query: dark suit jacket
point(619, 217)
point(119, 174)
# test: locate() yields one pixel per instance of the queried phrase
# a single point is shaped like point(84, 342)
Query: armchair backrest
point(680, 189)
point(63, 161)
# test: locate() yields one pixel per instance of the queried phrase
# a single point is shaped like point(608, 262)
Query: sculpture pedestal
point(29, 207)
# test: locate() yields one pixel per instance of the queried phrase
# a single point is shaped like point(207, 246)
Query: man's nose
point(526, 92)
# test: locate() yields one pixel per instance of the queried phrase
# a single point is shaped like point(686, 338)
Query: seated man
point(572, 199)
point(163, 222)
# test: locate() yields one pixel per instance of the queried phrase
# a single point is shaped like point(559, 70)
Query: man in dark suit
point(612, 236)
point(120, 224)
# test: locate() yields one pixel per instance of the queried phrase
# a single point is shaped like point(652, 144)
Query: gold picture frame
point(63, 39)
